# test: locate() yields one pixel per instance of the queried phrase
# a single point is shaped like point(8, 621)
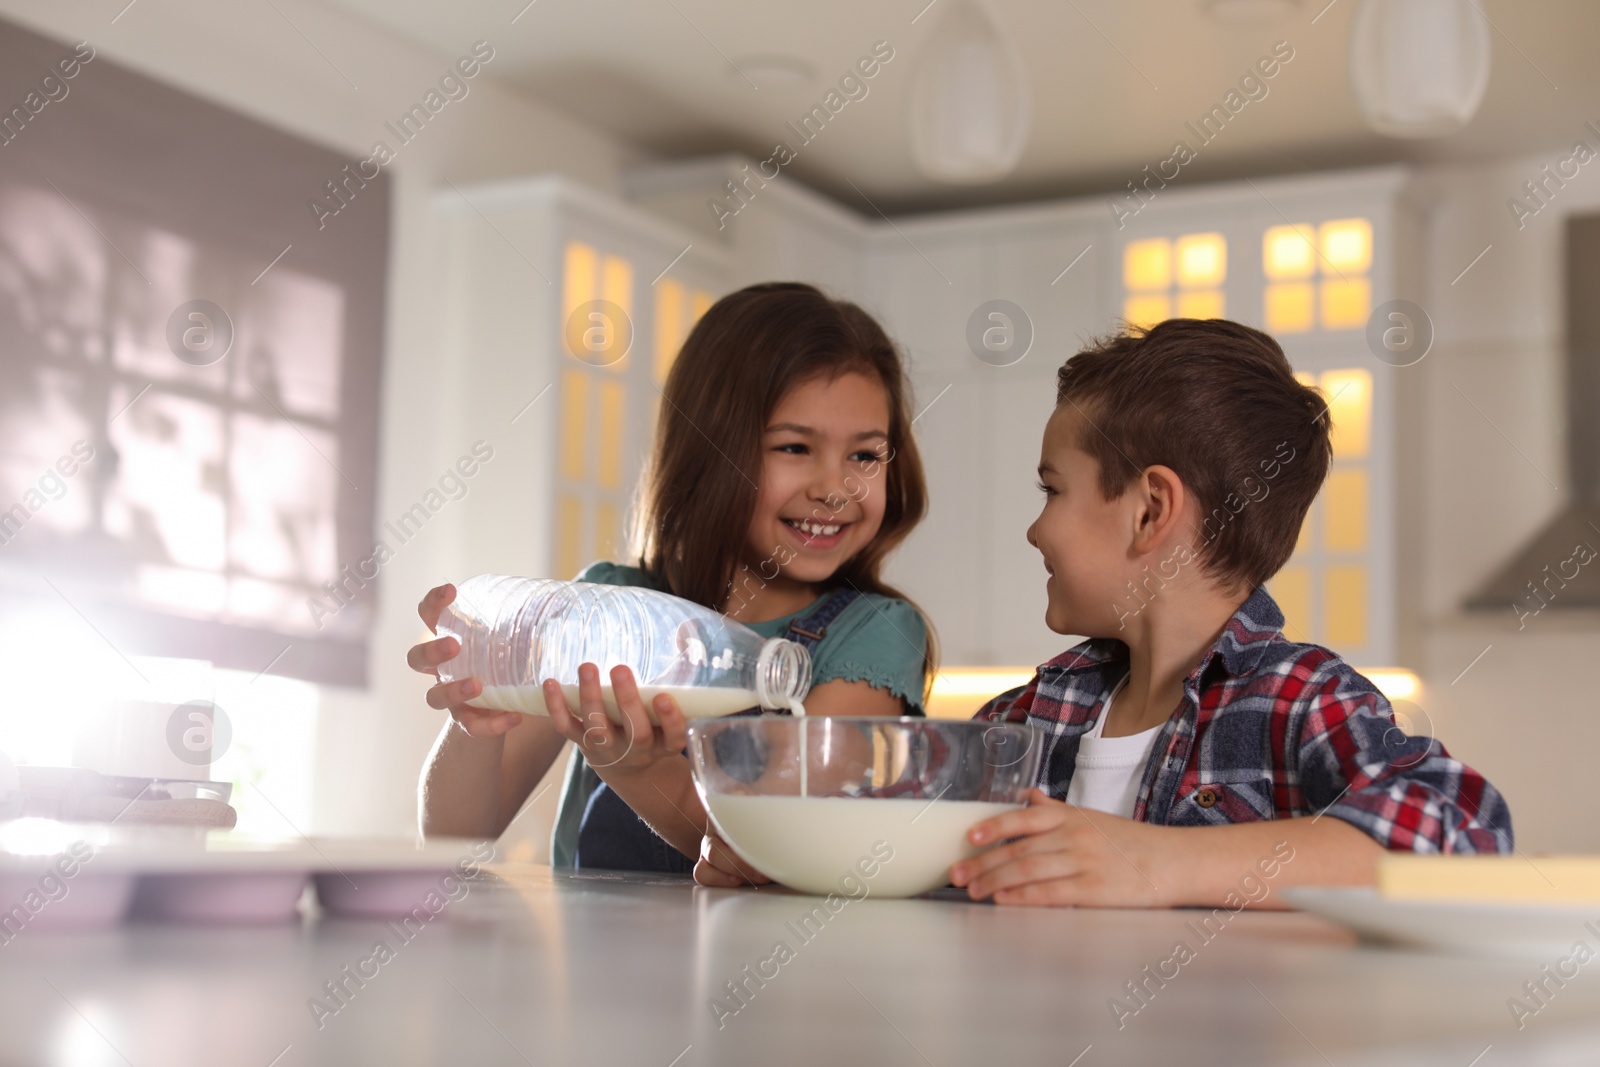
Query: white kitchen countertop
point(555, 967)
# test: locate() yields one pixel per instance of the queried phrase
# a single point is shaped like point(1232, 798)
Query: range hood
point(1560, 568)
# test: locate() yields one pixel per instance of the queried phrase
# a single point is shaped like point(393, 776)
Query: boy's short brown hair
point(1218, 403)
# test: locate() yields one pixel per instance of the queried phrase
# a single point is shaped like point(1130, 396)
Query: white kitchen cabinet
point(970, 564)
point(565, 390)
point(782, 232)
point(980, 580)
point(979, 422)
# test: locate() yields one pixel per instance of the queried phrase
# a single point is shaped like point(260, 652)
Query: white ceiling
point(1113, 82)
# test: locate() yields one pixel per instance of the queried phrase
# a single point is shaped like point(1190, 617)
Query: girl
point(784, 473)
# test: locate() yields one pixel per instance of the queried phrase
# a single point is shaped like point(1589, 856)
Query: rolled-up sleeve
point(1406, 792)
point(878, 640)
point(1010, 706)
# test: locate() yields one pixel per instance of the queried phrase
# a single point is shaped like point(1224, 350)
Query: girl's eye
point(794, 448)
point(1045, 489)
point(867, 456)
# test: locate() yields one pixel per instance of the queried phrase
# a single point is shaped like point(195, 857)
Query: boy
point(1189, 744)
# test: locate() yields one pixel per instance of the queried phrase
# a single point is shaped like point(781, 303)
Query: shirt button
point(1206, 798)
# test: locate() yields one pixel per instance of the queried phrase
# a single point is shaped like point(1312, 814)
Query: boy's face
point(1085, 539)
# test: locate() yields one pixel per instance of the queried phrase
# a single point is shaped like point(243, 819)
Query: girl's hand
point(453, 696)
point(616, 751)
point(1069, 856)
point(719, 867)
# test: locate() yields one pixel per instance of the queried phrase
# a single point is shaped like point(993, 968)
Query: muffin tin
point(66, 876)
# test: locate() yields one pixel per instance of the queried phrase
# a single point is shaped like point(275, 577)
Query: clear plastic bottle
point(517, 632)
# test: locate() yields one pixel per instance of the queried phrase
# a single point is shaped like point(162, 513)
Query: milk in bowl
point(825, 805)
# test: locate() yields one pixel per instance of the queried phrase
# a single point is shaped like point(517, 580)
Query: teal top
point(880, 640)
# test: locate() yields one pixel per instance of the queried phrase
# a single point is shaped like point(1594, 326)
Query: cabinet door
point(920, 294)
point(1054, 273)
point(778, 241)
point(1018, 635)
point(970, 564)
point(610, 373)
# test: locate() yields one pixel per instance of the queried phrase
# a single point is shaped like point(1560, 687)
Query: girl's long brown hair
point(698, 492)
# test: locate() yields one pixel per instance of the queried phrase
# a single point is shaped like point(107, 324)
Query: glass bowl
point(877, 807)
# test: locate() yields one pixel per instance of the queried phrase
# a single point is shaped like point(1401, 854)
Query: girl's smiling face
point(821, 497)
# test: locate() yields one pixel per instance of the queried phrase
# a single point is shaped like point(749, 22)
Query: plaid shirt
point(1268, 729)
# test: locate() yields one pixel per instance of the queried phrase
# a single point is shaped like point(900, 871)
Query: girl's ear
point(1163, 501)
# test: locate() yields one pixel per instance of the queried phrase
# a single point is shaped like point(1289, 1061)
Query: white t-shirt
point(1109, 769)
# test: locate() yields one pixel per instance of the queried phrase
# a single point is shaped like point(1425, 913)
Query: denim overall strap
point(809, 630)
point(612, 836)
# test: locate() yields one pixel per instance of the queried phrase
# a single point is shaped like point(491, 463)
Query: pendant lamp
point(969, 99)
point(1419, 68)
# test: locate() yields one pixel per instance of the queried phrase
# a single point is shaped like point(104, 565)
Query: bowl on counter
point(858, 807)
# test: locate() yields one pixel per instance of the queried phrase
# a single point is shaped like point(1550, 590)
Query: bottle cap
point(783, 675)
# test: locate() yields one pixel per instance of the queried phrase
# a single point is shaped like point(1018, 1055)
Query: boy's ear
point(1163, 501)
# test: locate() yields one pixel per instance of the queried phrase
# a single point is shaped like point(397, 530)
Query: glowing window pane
point(613, 405)
point(569, 535)
point(1346, 303)
point(1346, 246)
point(702, 303)
point(669, 325)
point(183, 589)
point(1344, 600)
point(574, 423)
point(1147, 264)
point(1287, 252)
point(1394, 683)
point(580, 278)
point(1142, 312)
point(1349, 396)
point(1289, 307)
point(1344, 511)
point(1201, 304)
point(616, 285)
point(1291, 588)
point(1202, 260)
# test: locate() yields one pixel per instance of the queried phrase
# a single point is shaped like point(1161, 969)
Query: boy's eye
point(1045, 489)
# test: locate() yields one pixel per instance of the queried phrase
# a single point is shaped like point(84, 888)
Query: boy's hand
point(616, 751)
point(1069, 856)
point(425, 659)
point(719, 867)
